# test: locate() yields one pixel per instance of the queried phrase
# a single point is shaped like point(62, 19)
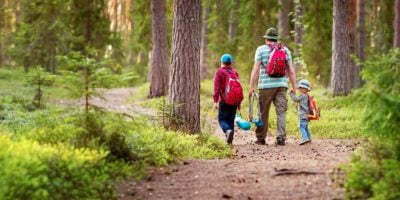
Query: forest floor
point(253, 172)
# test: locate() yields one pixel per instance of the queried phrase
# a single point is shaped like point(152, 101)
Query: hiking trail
point(253, 172)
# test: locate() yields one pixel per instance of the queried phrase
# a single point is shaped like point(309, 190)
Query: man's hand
point(292, 76)
point(254, 77)
point(251, 92)
point(216, 106)
point(249, 118)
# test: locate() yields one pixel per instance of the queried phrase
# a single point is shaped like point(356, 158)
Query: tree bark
point(298, 28)
point(352, 11)
point(184, 94)
point(396, 43)
point(361, 40)
point(159, 55)
point(204, 44)
point(233, 20)
point(343, 37)
point(2, 38)
point(284, 10)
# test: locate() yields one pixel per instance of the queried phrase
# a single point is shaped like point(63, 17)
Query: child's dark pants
point(226, 116)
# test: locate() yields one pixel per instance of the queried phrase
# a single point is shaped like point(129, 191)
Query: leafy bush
point(382, 94)
point(374, 172)
point(140, 141)
point(33, 171)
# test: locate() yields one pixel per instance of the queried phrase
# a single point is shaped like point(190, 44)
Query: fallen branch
point(285, 171)
point(236, 162)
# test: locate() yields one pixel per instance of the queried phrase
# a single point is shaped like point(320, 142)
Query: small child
point(227, 98)
point(304, 88)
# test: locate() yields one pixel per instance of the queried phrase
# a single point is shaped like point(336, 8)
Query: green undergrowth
point(15, 83)
point(30, 170)
point(340, 116)
point(374, 170)
point(64, 153)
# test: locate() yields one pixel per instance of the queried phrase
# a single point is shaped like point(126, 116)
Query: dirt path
point(115, 100)
point(249, 174)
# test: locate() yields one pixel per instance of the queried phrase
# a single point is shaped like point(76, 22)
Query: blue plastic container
point(242, 124)
point(258, 122)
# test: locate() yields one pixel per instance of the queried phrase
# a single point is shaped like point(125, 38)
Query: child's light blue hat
point(304, 84)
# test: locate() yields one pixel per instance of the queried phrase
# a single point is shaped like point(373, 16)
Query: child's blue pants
point(305, 133)
point(226, 116)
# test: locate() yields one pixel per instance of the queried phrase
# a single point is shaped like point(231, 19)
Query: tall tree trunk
point(204, 43)
point(233, 20)
point(396, 43)
point(116, 15)
point(159, 55)
point(298, 29)
point(2, 38)
point(352, 11)
point(284, 10)
point(184, 83)
point(342, 64)
point(87, 43)
point(361, 40)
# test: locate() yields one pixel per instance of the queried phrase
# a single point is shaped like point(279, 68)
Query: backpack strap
point(310, 98)
point(228, 72)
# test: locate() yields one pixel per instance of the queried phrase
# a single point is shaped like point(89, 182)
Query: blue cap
point(226, 58)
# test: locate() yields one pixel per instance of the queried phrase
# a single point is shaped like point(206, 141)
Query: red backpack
point(233, 92)
point(313, 111)
point(277, 61)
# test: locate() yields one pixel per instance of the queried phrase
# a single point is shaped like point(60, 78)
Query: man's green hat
point(271, 33)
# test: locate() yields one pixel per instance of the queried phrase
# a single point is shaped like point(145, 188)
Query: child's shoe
point(229, 136)
point(304, 141)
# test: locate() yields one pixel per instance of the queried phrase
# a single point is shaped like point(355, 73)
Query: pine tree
point(184, 86)
point(284, 11)
point(361, 40)
point(343, 47)
point(204, 42)
point(396, 43)
point(43, 33)
point(298, 35)
point(317, 46)
point(159, 57)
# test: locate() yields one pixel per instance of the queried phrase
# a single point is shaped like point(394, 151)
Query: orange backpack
point(313, 110)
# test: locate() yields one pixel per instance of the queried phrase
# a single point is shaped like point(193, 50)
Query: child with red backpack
point(304, 109)
point(228, 94)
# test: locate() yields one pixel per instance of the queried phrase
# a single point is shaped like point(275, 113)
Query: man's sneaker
point(304, 141)
point(229, 136)
point(260, 142)
point(280, 141)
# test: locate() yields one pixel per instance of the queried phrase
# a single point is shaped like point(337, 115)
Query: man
point(271, 89)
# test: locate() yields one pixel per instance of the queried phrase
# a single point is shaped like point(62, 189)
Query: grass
point(14, 83)
point(340, 116)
